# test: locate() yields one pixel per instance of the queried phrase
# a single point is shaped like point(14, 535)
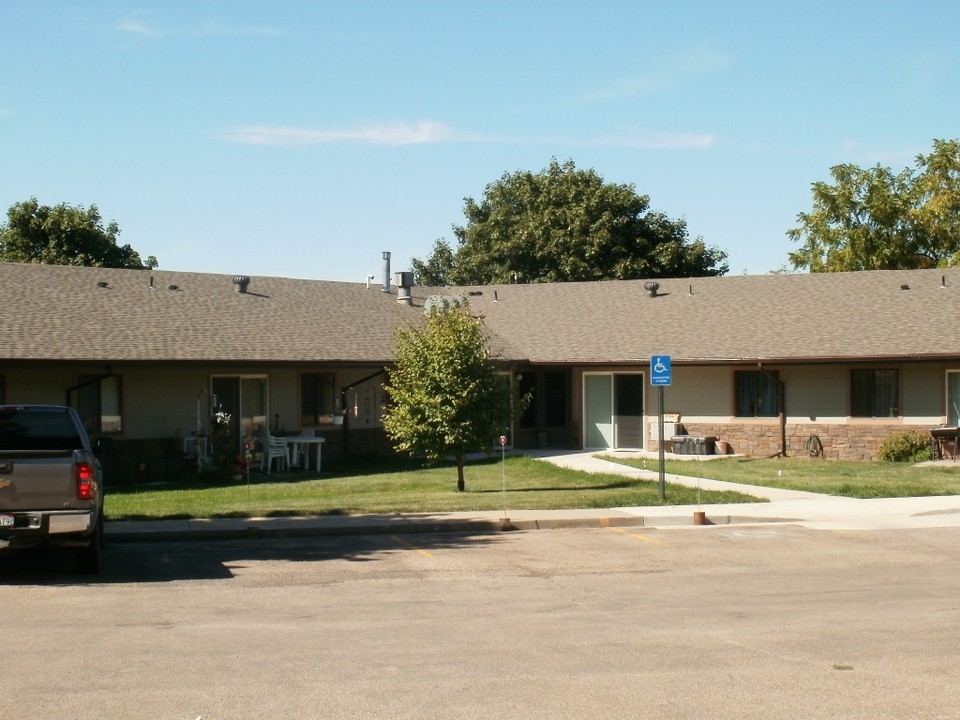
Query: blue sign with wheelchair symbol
point(660, 370)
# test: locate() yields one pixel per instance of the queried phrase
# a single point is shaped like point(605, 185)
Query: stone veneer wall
point(840, 442)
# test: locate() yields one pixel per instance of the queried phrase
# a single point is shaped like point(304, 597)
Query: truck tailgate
point(32, 480)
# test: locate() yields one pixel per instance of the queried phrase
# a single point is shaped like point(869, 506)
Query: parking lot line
point(410, 546)
point(638, 536)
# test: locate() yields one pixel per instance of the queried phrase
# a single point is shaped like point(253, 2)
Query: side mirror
point(104, 445)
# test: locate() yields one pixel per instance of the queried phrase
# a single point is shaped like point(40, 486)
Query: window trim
point(898, 394)
point(85, 381)
point(334, 399)
point(773, 375)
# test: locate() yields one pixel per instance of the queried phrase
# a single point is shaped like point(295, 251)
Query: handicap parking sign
point(660, 370)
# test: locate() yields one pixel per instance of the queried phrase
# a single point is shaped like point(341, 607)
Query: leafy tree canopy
point(564, 224)
point(878, 219)
point(446, 396)
point(64, 235)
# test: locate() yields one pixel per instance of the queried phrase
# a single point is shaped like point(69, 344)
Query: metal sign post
point(503, 473)
point(504, 521)
point(660, 376)
point(661, 473)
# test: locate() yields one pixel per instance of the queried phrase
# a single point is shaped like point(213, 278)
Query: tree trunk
point(461, 459)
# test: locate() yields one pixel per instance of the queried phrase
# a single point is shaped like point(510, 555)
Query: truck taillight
point(86, 483)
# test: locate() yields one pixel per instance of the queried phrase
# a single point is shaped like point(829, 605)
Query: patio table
point(295, 441)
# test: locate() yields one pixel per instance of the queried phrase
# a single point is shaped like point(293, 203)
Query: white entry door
point(598, 411)
point(613, 410)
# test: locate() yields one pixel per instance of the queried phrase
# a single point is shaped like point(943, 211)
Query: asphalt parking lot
point(739, 621)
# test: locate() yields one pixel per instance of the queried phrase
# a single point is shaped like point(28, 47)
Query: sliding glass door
point(244, 399)
point(953, 397)
point(613, 410)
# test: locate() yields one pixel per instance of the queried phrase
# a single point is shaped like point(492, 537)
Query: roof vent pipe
point(386, 271)
point(241, 283)
point(404, 283)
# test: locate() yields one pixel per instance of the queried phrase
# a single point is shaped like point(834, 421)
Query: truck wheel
point(88, 559)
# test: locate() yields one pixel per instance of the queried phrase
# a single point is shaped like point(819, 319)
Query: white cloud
point(134, 27)
point(209, 29)
point(661, 75)
point(398, 133)
point(424, 132)
point(854, 151)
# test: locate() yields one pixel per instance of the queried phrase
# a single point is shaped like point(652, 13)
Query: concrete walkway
point(804, 508)
point(773, 506)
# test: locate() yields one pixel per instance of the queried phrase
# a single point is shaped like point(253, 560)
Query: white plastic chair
point(297, 448)
point(273, 448)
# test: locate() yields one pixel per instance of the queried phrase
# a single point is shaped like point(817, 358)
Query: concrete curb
point(130, 531)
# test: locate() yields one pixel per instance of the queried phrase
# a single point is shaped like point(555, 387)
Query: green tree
point(565, 224)
point(876, 219)
point(64, 235)
point(435, 270)
point(938, 191)
point(446, 396)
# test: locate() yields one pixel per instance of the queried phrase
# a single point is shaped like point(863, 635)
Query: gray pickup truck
point(51, 483)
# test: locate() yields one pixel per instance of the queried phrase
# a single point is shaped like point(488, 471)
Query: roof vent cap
point(651, 288)
point(241, 283)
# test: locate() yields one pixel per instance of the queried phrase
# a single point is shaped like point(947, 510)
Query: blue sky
point(305, 138)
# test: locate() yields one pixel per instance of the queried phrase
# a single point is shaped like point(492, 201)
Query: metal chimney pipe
point(386, 271)
point(404, 285)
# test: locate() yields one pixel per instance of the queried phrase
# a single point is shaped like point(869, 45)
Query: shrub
point(905, 447)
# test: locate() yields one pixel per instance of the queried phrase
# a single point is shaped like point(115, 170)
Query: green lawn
point(830, 477)
point(401, 486)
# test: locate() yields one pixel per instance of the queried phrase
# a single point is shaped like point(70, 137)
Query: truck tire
point(88, 560)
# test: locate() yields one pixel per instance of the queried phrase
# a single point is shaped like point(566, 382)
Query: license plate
point(6, 520)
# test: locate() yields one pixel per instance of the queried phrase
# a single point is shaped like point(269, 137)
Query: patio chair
point(297, 448)
point(273, 448)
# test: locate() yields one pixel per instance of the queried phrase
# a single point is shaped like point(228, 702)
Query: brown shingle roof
point(735, 318)
point(58, 313)
point(53, 312)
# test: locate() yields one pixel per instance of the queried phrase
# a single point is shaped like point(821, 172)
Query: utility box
point(671, 426)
